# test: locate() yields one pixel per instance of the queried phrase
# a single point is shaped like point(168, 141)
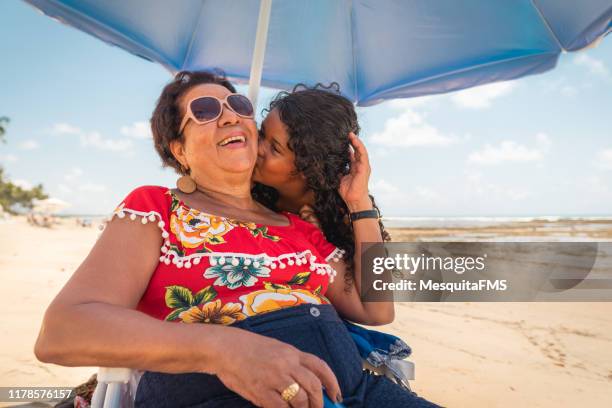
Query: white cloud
point(92, 188)
point(73, 174)
point(93, 139)
point(76, 182)
point(65, 129)
point(383, 187)
point(563, 86)
point(511, 151)
point(64, 188)
point(408, 103)
point(568, 90)
point(395, 200)
point(137, 130)
point(480, 97)
point(604, 159)
point(8, 158)
point(543, 140)
point(594, 65)
point(508, 150)
point(24, 184)
point(427, 193)
point(477, 187)
point(410, 129)
point(96, 140)
point(598, 186)
point(29, 145)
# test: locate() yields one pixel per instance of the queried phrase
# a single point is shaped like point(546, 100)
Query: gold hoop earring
point(185, 183)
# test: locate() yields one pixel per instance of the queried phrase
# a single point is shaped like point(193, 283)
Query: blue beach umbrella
point(375, 49)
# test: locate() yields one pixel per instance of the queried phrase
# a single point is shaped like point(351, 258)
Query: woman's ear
point(176, 147)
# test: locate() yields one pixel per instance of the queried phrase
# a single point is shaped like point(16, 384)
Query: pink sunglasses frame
point(223, 102)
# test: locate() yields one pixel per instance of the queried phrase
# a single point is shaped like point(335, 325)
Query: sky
point(537, 146)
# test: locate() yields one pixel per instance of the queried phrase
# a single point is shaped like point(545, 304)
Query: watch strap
point(354, 216)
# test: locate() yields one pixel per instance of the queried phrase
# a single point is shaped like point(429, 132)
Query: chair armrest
point(112, 390)
point(109, 374)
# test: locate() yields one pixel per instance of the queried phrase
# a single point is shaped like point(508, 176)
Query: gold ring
point(290, 392)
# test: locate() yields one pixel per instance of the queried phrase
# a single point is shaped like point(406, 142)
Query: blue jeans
point(315, 329)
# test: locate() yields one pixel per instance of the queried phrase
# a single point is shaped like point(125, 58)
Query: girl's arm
point(354, 190)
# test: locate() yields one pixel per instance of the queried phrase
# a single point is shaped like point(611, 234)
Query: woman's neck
point(231, 193)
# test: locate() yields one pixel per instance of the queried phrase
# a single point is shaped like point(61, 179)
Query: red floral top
point(214, 269)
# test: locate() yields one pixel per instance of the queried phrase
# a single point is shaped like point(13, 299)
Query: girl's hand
point(259, 368)
point(354, 186)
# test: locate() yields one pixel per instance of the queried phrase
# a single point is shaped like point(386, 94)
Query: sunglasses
point(204, 109)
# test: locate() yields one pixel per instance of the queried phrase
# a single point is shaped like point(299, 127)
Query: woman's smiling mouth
point(234, 140)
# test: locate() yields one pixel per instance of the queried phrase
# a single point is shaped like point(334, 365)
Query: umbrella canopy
point(375, 49)
point(49, 205)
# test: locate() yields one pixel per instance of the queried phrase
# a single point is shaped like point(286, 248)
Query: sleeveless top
point(214, 269)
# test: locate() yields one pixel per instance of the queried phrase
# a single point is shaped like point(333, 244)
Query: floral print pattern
point(205, 275)
point(195, 229)
point(200, 308)
point(213, 312)
point(276, 296)
point(238, 272)
point(204, 308)
point(254, 229)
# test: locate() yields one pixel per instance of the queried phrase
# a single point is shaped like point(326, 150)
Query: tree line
point(12, 196)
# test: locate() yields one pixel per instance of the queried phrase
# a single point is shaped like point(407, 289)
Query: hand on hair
point(354, 186)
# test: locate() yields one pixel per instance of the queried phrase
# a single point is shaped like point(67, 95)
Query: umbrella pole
point(260, 49)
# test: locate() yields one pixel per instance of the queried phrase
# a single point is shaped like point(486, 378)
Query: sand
point(466, 354)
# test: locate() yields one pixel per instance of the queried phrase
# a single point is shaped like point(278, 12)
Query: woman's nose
point(228, 116)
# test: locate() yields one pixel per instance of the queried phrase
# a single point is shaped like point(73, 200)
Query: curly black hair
point(318, 121)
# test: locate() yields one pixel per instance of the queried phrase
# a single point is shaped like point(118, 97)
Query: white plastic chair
point(117, 386)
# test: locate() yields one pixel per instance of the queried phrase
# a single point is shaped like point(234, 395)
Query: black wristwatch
point(354, 216)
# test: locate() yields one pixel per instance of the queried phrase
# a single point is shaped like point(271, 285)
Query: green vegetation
point(3, 122)
point(11, 195)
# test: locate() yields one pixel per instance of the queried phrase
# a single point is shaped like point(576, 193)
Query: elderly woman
point(209, 253)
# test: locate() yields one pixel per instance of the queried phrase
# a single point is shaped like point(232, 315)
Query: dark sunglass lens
point(241, 105)
point(205, 108)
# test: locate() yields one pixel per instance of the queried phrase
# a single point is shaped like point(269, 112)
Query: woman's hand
point(259, 368)
point(354, 186)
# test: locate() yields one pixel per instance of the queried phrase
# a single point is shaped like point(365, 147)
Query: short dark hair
point(167, 115)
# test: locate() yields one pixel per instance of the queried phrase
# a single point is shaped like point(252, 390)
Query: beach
point(466, 354)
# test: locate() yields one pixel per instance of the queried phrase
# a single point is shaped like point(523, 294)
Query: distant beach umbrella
point(49, 206)
point(375, 49)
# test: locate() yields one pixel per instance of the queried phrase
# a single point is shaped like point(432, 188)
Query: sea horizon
point(448, 221)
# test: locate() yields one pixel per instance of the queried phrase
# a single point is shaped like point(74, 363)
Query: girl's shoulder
point(316, 237)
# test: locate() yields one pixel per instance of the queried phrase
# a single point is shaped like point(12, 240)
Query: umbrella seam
point(587, 28)
point(550, 30)
point(60, 6)
point(193, 32)
point(471, 68)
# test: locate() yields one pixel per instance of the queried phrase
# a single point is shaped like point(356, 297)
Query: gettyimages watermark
point(487, 272)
